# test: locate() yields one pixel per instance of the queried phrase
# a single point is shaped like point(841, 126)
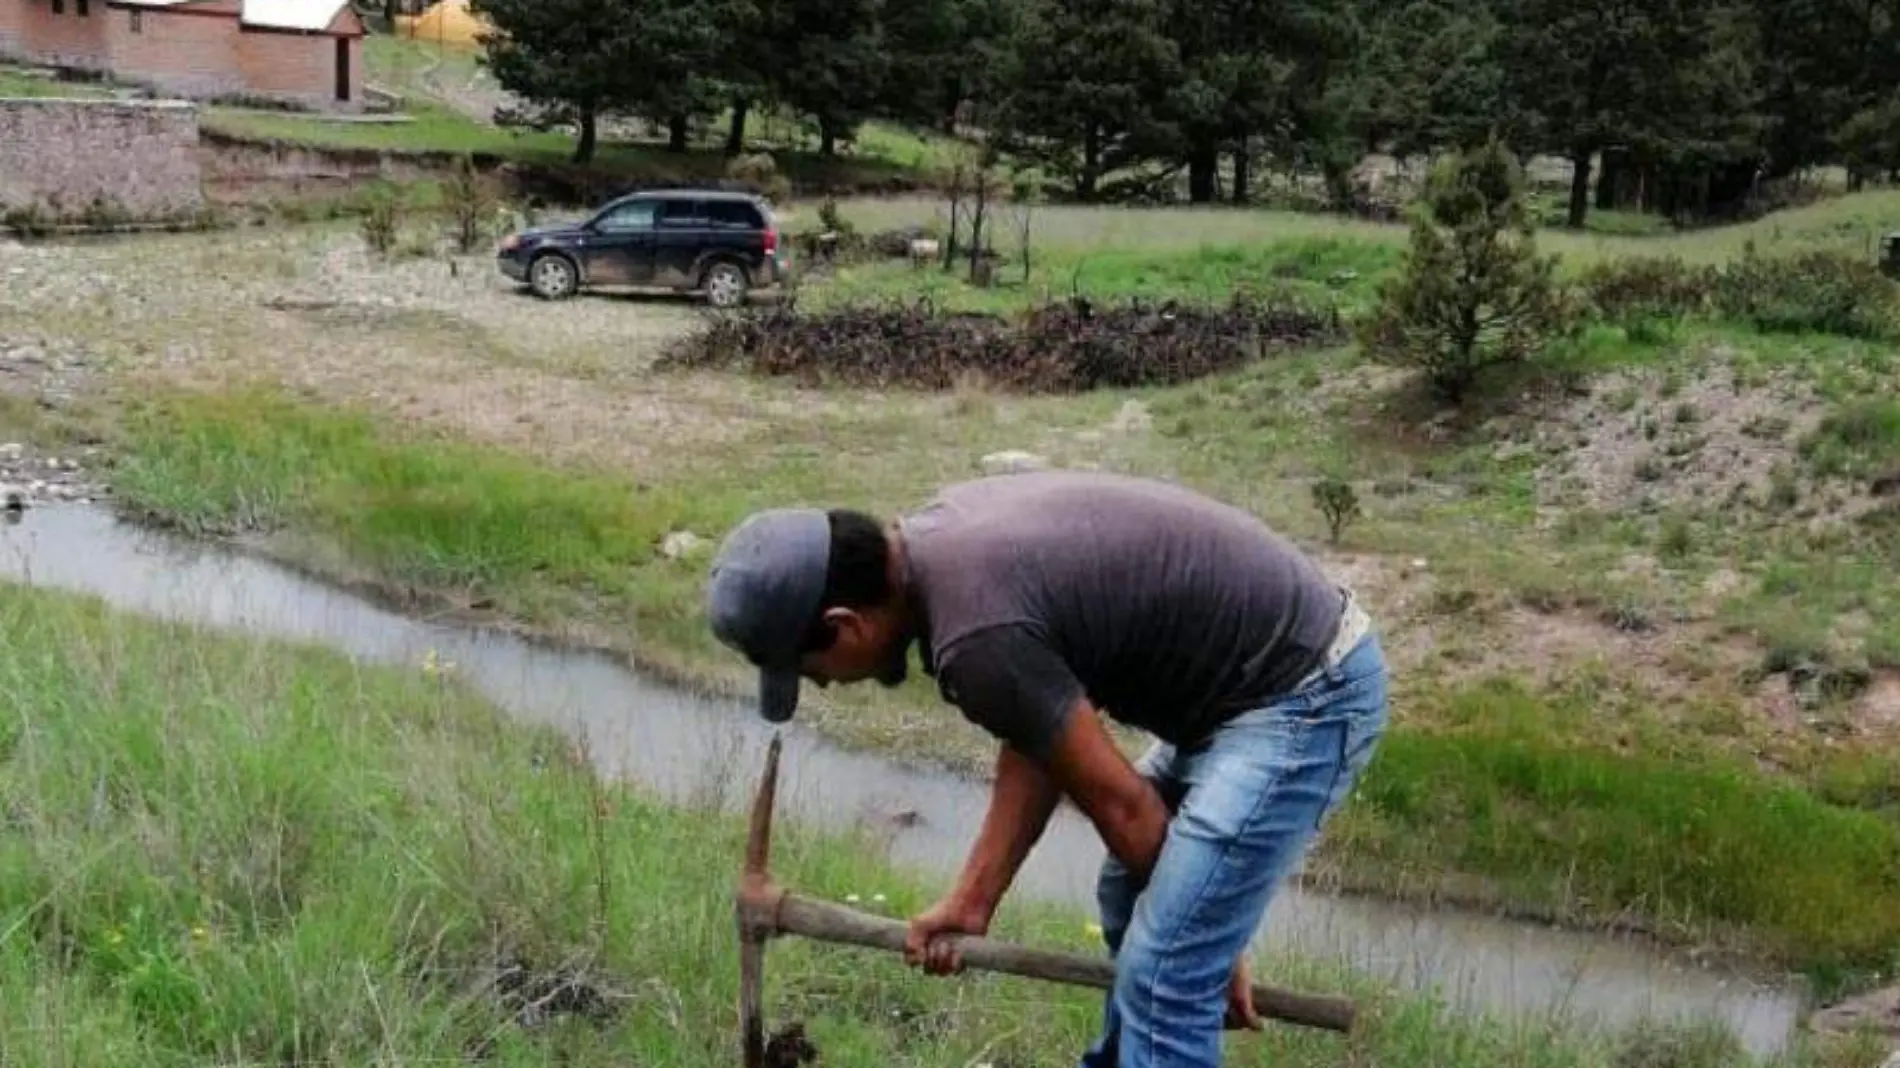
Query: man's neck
point(904, 592)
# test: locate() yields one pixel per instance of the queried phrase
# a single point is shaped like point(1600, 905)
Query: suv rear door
point(691, 229)
point(739, 226)
point(683, 234)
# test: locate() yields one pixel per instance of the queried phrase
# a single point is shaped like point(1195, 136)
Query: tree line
point(1682, 107)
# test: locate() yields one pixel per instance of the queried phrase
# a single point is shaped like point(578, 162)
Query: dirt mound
point(1055, 348)
point(1653, 440)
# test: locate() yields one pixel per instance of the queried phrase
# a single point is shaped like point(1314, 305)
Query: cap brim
point(778, 694)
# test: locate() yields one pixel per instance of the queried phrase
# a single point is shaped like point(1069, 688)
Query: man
point(1041, 602)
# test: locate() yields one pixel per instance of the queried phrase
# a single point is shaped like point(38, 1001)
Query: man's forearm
point(1134, 832)
point(1021, 802)
point(1126, 809)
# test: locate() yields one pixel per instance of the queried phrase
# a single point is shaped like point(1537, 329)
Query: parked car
point(722, 245)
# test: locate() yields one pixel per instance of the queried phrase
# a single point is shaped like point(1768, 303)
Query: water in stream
point(676, 743)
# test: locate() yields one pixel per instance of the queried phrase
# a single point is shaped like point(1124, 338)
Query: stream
point(681, 746)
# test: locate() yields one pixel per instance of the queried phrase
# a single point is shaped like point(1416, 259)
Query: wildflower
point(434, 666)
point(851, 899)
point(1093, 929)
point(200, 933)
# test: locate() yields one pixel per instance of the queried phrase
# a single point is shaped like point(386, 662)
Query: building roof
point(314, 15)
point(291, 14)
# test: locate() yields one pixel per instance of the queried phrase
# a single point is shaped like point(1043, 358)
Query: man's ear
point(844, 620)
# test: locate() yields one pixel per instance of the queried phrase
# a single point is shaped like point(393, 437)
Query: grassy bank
point(1581, 803)
point(21, 81)
point(1672, 837)
point(431, 129)
point(447, 102)
point(223, 849)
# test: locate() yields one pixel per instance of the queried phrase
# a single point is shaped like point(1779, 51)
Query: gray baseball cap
point(764, 590)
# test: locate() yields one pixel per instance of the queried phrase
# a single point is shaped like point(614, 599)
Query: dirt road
point(445, 340)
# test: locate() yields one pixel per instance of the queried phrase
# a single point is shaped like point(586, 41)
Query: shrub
point(28, 220)
point(382, 216)
point(1860, 440)
point(1472, 293)
point(104, 212)
point(1644, 293)
point(470, 204)
point(1336, 500)
point(830, 218)
point(1821, 290)
point(759, 172)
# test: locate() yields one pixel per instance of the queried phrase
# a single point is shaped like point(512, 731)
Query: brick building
point(308, 52)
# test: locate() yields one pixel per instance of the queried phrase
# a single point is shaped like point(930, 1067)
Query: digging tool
point(765, 910)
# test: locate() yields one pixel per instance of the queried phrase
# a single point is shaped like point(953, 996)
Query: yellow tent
point(449, 23)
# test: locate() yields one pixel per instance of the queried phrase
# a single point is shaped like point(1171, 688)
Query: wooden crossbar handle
point(828, 922)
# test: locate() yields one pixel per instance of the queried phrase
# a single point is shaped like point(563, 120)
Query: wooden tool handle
point(828, 922)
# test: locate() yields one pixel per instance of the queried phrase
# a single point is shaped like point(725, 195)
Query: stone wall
point(243, 171)
point(139, 159)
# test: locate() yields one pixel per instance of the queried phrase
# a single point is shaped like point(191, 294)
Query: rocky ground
point(29, 478)
point(1649, 440)
point(42, 377)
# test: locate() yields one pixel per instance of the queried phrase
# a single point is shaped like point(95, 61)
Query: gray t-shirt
point(1170, 611)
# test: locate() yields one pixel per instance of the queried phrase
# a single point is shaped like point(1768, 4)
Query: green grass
point(435, 514)
point(1206, 253)
point(224, 849)
point(1853, 223)
point(1658, 827)
point(16, 81)
point(1325, 268)
point(434, 128)
point(1488, 785)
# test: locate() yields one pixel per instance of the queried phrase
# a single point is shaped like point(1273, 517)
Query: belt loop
point(1330, 663)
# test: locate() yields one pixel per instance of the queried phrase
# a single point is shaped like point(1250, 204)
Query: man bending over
point(1042, 602)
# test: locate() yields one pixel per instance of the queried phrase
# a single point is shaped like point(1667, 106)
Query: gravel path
point(428, 337)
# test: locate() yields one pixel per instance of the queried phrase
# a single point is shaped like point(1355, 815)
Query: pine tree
point(1089, 84)
point(1473, 292)
point(832, 67)
point(584, 58)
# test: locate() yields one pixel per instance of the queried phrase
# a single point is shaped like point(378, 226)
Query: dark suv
point(720, 244)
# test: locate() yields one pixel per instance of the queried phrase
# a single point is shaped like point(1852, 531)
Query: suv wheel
point(725, 285)
point(552, 277)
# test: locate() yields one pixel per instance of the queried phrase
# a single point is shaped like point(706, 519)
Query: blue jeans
point(1246, 804)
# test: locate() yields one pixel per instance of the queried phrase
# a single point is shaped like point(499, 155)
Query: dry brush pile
point(1062, 347)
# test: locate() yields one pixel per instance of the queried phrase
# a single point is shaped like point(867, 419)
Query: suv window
point(733, 215)
point(683, 214)
point(631, 216)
